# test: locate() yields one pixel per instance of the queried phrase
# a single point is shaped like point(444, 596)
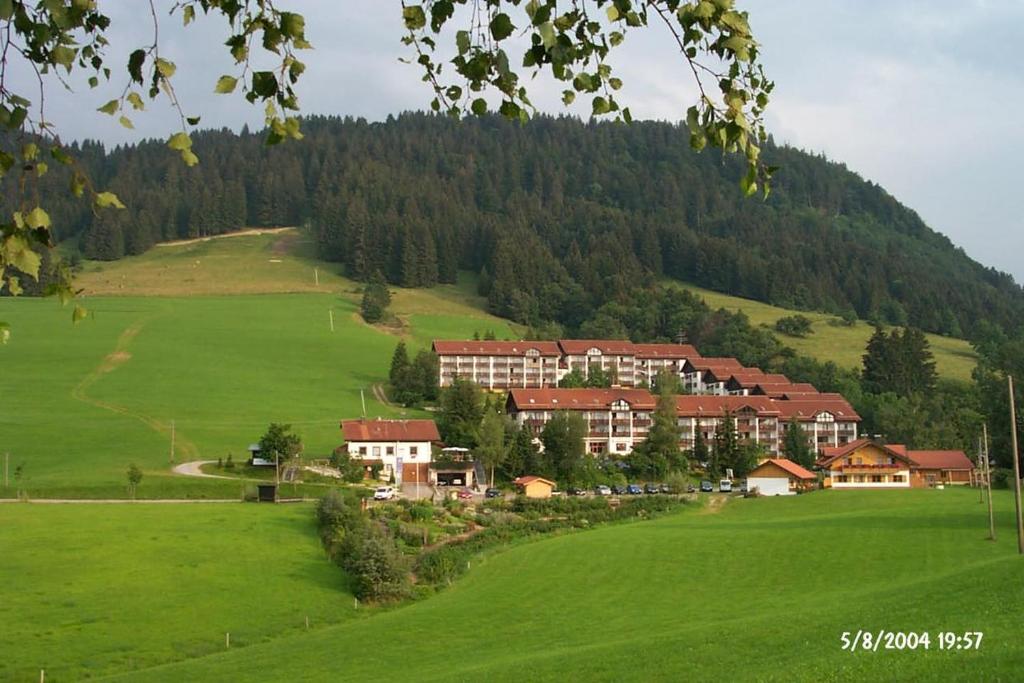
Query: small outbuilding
point(534, 487)
point(780, 477)
point(266, 493)
point(940, 467)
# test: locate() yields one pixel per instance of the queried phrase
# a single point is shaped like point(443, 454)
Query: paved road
point(191, 469)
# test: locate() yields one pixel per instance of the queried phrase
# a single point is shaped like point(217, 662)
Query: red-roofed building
point(708, 375)
point(616, 358)
point(828, 419)
point(499, 364)
point(864, 463)
point(617, 418)
point(652, 359)
point(756, 419)
point(869, 464)
point(940, 467)
point(401, 448)
point(780, 477)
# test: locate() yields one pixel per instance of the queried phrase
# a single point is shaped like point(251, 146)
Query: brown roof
point(579, 399)
point(579, 347)
point(494, 348)
point(830, 454)
point(665, 351)
point(784, 389)
point(941, 460)
point(787, 465)
point(701, 405)
point(523, 481)
point(810, 407)
point(695, 364)
point(389, 430)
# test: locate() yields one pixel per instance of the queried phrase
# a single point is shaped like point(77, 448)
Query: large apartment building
point(503, 365)
point(618, 419)
point(499, 364)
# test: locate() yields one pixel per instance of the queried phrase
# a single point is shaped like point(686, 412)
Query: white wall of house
point(770, 486)
point(390, 452)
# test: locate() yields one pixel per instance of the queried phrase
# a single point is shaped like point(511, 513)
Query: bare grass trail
point(238, 233)
point(112, 361)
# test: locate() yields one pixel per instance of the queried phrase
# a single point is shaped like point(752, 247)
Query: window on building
point(414, 450)
point(376, 451)
point(390, 450)
point(362, 450)
point(876, 478)
point(898, 479)
point(842, 479)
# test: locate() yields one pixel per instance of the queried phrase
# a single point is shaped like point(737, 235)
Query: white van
point(725, 486)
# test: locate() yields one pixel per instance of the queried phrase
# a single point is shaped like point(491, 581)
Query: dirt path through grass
point(112, 361)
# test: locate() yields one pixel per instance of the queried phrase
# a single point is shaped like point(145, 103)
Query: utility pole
point(316, 276)
point(330, 312)
point(988, 484)
point(172, 442)
point(1016, 468)
point(277, 468)
point(7, 467)
point(362, 397)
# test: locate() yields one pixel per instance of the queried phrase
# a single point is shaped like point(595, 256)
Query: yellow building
point(534, 487)
point(866, 464)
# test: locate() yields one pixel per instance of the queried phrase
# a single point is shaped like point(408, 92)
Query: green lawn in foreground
point(760, 591)
point(93, 589)
point(954, 358)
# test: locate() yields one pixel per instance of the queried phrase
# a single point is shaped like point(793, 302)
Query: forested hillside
point(558, 216)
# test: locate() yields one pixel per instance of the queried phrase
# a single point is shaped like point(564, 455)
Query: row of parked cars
point(724, 486)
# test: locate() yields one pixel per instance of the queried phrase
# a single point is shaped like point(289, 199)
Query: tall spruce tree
point(797, 446)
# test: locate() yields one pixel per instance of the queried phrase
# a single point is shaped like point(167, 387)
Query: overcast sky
point(920, 97)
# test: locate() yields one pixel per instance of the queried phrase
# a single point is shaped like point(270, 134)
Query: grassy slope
point(92, 589)
point(762, 590)
point(96, 396)
point(954, 358)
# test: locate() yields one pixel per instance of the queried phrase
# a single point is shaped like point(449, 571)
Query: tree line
point(558, 217)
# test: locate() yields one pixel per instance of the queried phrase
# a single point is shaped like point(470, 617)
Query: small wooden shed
point(534, 487)
point(266, 493)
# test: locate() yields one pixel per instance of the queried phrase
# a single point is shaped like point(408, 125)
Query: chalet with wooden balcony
point(865, 463)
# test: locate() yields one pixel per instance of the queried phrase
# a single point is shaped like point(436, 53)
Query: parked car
point(602, 490)
point(383, 493)
point(743, 486)
point(634, 490)
point(690, 488)
point(725, 486)
point(706, 486)
point(665, 488)
point(618, 490)
point(493, 493)
point(651, 488)
point(465, 494)
point(573, 491)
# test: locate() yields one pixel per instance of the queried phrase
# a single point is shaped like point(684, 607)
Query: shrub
point(421, 511)
point(378, 570)
point(794, 325)
point(229, 464)
point(1002, 477)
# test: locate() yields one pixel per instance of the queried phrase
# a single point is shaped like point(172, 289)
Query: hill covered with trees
point(558, 216)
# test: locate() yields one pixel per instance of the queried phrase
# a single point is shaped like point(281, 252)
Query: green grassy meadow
point(87, 590)
point(96, 396)
point(760, 590)
point(954, 358)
